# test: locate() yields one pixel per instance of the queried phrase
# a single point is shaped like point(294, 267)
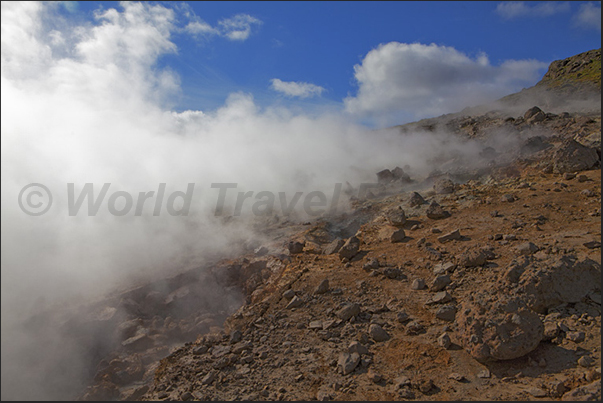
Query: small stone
point(508, 198)
point(315, 324)
point(440, 282)
point(457, 377)
point(436, 212)
point(348, 362)
point(200, 350)
point(334, 246)
point(289, 294)
point(569, 176)
point(348, 311)
point(323, 287)
point(295, 302)
point(454, 235)
point(536, 392)
point(415, 200)
point(527, 248)
point(350, 248)
point(586, 361)
point(402, 317)
point(582, 178)
point(378, 333)
point(418, 284)
point(443, 268)
point(356, 347)
point(444, 341)
point(209, 378)
point(441, 297)
point(485, 373)
point(592, 244)
point(373, 376)
point(576, 337)
point(426, 386)
point(446, 312)
point(296, 247)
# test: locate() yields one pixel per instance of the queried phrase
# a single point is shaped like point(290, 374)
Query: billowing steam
point(88, 103)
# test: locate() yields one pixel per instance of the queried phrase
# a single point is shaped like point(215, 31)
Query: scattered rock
point(295, 302)
point(473, 258)
point(444, 341)
point(296, 247)
point(396, 217)
point(357, 347)
point(586, 361)
point(347, 362)
point(373, 376)
point(323, 287)
point(348, 311)
point(392, 234)
point(436, 212)
point(378, 333)
point(418, 284)
point(444, 186)
point(446, 312)
point(350, 248)
point(454, 235)
point(334, 246)
point(527, 248)
point(440, 282)
point(416, 200)
point(508, 198)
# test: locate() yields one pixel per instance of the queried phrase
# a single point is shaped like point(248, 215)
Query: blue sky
point(321, 42)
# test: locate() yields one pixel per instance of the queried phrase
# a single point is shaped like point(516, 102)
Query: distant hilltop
point(569, 84)
point(579, 72)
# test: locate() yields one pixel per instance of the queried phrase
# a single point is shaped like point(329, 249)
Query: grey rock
point(350, 248)
point(440, 282)
point(348, 311)
point(444, 186)
point(323, 287)
point(418, 284)
point(436, 212)
point(416, 200)
point(454, 235)
point(347, 362)
point(378, 333)
point(444, 341)
point(396, 217)
point(296, 247)
point(295, 302)
point(334, 246)
point(446, 312)
point(358, 348)
point(527, 248)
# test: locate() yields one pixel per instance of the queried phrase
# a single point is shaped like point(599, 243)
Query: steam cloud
point(87, 104)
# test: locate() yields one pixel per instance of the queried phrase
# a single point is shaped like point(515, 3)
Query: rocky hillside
point(478, 281)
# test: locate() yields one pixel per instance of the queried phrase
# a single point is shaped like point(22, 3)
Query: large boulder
point(567, 279)
point(572, 156)
point(498, 329)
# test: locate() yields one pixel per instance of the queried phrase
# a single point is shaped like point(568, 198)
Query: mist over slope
point(88, 104)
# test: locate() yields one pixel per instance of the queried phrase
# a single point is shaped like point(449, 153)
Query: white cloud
point(199, 27)
point(516, 9)
point(239, 27)
point(588, 16)
point(427, 80)
point(236, 28)
point(296, 89)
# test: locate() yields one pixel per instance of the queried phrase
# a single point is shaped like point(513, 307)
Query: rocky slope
point(478, 281)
